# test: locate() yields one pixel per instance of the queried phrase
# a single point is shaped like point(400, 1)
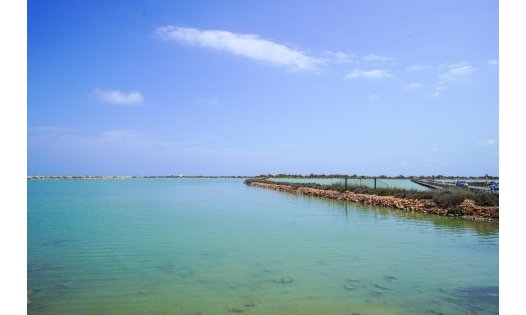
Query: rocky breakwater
point(467, 210)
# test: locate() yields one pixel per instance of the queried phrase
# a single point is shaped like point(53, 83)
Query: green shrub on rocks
point(486, 199)
point(400, 193)
point(449, 198)
point(456, 211)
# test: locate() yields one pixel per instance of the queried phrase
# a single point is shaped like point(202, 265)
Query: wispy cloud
point(339, 57)
point(455, 72)
point(452, 73)
point(413, 86)
point(377, 58)
point(50, 131)
point(492, 62)
point(368, 74)
point(107, 149)
point(246, 45)
point(121, 135)
point(487, 142)
point(118, 97)
point(417, 68)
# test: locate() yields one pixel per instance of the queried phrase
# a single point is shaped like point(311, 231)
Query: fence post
point(346, 183)
point(375, 183)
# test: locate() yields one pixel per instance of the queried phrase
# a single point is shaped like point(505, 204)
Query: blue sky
point(245, 88)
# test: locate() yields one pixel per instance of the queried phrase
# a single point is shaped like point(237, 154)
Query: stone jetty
point(469, 209)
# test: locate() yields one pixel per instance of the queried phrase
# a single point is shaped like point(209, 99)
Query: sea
point(217, 246)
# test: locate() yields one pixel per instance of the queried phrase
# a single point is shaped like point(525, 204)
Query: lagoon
point(216, 246)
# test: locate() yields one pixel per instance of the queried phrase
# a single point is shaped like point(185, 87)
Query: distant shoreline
point(438, 178)
point(56, 177)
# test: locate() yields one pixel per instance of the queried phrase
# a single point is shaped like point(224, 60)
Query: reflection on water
point(201, 246)
point(441, 222)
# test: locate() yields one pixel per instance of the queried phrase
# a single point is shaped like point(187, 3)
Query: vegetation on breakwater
point(453, 202)
point(443, 198)
point(429, 177)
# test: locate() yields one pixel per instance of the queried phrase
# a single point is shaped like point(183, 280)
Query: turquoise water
point(368, 182)
point(216, 246)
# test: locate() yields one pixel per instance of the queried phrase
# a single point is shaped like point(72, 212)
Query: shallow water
point(216, 246)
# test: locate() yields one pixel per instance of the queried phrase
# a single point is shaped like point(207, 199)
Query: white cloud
point(50, 131)
point(413, 86)
point(487, 142)
point(455, 72)
point(452, 73)
point(118, 97)
point(417, 68)
point(339, 57)
point(377, 58)
point(368, 74)
point(246, 45)
point(120, 135)
point(493, 62)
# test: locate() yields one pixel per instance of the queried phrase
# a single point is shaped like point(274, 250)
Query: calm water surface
point(216, 246)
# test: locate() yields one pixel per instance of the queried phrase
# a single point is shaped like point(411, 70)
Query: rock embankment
point(467, 209)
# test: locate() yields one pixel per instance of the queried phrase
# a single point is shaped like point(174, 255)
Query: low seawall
point(469, 209)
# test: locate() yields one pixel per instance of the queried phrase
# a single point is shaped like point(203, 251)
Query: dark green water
point(216, 246)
